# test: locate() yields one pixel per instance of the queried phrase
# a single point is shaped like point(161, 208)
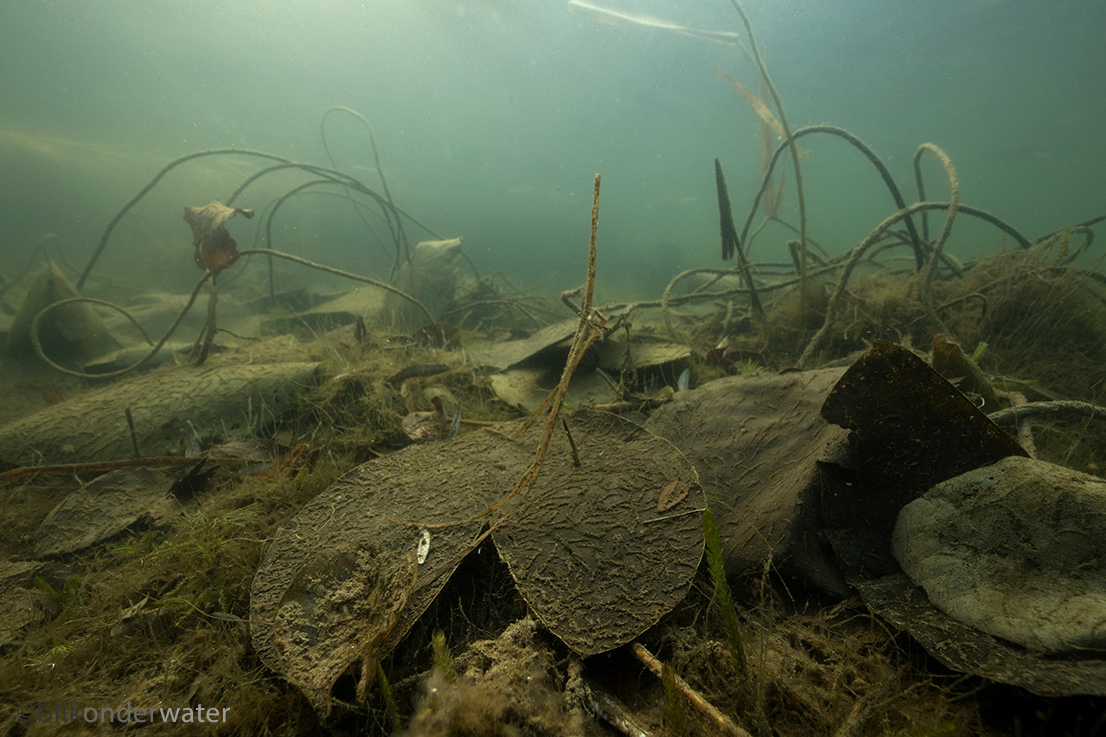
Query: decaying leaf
point(104, 508)
point(674, 492)
point(909, 429)
point(169, 408)
point(339, 608)
point(385, 505)
point(587, 548)
point(758, 444)
point(215, 249)
point(589, 551)
point(760, 108)
point(424, 427)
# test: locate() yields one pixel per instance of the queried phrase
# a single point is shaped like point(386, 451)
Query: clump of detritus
point(832, 672)
point(496, 688)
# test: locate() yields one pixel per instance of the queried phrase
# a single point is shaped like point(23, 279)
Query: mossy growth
point(161, 617)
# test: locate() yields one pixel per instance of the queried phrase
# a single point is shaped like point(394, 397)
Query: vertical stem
point(791, 145)
point(590, 284)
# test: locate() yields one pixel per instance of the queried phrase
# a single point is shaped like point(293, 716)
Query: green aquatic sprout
point(748, 367)
point(442, 657)
point(390, 712)
point(64, 598)
point(674, 714)
point(724, 598)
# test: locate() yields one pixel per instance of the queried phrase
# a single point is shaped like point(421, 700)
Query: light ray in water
point(617, 17)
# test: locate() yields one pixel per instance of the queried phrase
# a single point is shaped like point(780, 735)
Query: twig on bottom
point(719, 719)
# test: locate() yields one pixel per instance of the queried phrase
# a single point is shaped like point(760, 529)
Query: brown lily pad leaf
point(759, 446)
point(168, 408)
point(590, 553)
point(339, 608)
point(369, 521)
point(350, 575)
point(104, 508)
point(896, 600)
point(215, 249)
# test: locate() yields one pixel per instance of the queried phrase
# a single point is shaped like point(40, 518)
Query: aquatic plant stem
point(203, 344)
point(589, 284)
point(920, 186)
point(791, 145)
point(70, 469)
point(587, 330)
point(401, 237)
point(930, 268)
point(720, 720)
point(586, 333)
point(590, 327)
point(150, 185)
point(336, 176)
point(884, 173)
point(666, 301)
point(339, 272)
point(822, 335)
point(1047, 412)
point(731, 245)
point(36, 343)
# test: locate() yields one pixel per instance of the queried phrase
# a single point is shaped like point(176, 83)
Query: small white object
point(684, 382)
point(424, 546)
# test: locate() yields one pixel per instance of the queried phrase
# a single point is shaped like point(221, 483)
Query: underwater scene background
point(768, 468)
point(492, 115)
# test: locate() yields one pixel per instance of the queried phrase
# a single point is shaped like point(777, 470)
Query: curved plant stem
point(339, 272)
point(983, 215)
point(204, 343)
point(821, 336)
point(666, 301)
point(1088, 239)
point(142, 361)
point(398, 227)
point(884, 173)
point(150, 185)
point(919, 184)
point(272, 214)
point(790, 142)
point(401, 237)
point(1047, 412)
point(873, 238)
point(666, 317)
point(392, 214)
point(954, 201)
point(491, 302)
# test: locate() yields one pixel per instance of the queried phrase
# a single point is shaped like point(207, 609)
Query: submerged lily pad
point(589, 550)
point(169, 408)
point(339, 608)
point(381, 510)
point(104, 508)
